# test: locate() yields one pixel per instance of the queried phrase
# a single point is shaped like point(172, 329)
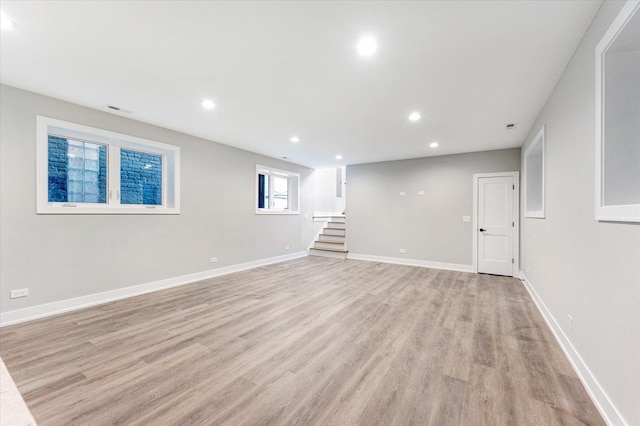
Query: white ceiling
point(278, 69)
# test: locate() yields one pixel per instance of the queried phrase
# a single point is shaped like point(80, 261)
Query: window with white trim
point(277, 191)
point(84, 170)
point(534, 177)
point(617, 153)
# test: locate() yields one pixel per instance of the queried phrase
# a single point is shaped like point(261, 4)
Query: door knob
point(482, 229)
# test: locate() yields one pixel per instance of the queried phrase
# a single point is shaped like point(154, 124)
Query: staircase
point(332, 240)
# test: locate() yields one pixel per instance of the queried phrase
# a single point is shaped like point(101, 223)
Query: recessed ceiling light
point(414, 116)
point(295, 139)
point(338, 157)
point(367, 46)
point(208, 104)
point(433, 144)
point(6, 24)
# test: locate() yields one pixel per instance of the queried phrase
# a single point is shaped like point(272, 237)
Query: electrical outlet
point(466, 219)
point(23, 292)
point(420, 192)
point(403, 251)
point(403, 193)
point(570, 320)
point(213, 260)
point(287, 247)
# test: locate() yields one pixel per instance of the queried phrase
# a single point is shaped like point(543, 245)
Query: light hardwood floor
point(309, 341)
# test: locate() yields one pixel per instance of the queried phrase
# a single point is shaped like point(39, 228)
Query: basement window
point(84, 170)
point(534, 177)
point(617, 126)
point(277, 191)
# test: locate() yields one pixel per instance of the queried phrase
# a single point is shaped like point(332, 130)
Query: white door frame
point(516, 218)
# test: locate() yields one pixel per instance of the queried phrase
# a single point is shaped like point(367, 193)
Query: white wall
point(65, 256)
point(325, 199)
point(428, 227)
point(577, 265)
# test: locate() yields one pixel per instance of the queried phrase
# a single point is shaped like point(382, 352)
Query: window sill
point(107, 210)
point(624, 213)
point(535, 215)
point(265, 211)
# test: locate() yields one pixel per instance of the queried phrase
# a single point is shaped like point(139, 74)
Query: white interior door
point(495, 225)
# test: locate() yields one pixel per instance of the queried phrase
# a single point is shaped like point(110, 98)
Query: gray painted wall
point(579, 266)
point(429, 227)
point(64, 256)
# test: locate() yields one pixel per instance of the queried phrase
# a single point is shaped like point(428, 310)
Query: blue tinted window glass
point(140, 178)
point(263, 191)
point(77, 171)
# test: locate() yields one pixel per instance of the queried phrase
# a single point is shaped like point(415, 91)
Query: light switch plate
point(466, 219)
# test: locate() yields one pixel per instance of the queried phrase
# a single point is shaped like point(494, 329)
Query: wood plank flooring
point(310, 341)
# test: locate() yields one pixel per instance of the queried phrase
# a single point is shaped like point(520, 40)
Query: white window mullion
point(289, 193)
point(114, 176)
point(271, 203)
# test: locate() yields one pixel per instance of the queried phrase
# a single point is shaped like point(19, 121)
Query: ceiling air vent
point(510, 126)
point(115, 108)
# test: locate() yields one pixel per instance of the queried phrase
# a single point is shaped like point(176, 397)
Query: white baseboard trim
point(599, 397)
point(412, 262)
point(62, 306)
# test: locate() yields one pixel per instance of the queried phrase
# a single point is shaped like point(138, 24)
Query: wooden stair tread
point(330, 249)
point(330, 242)
point(323, 216)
